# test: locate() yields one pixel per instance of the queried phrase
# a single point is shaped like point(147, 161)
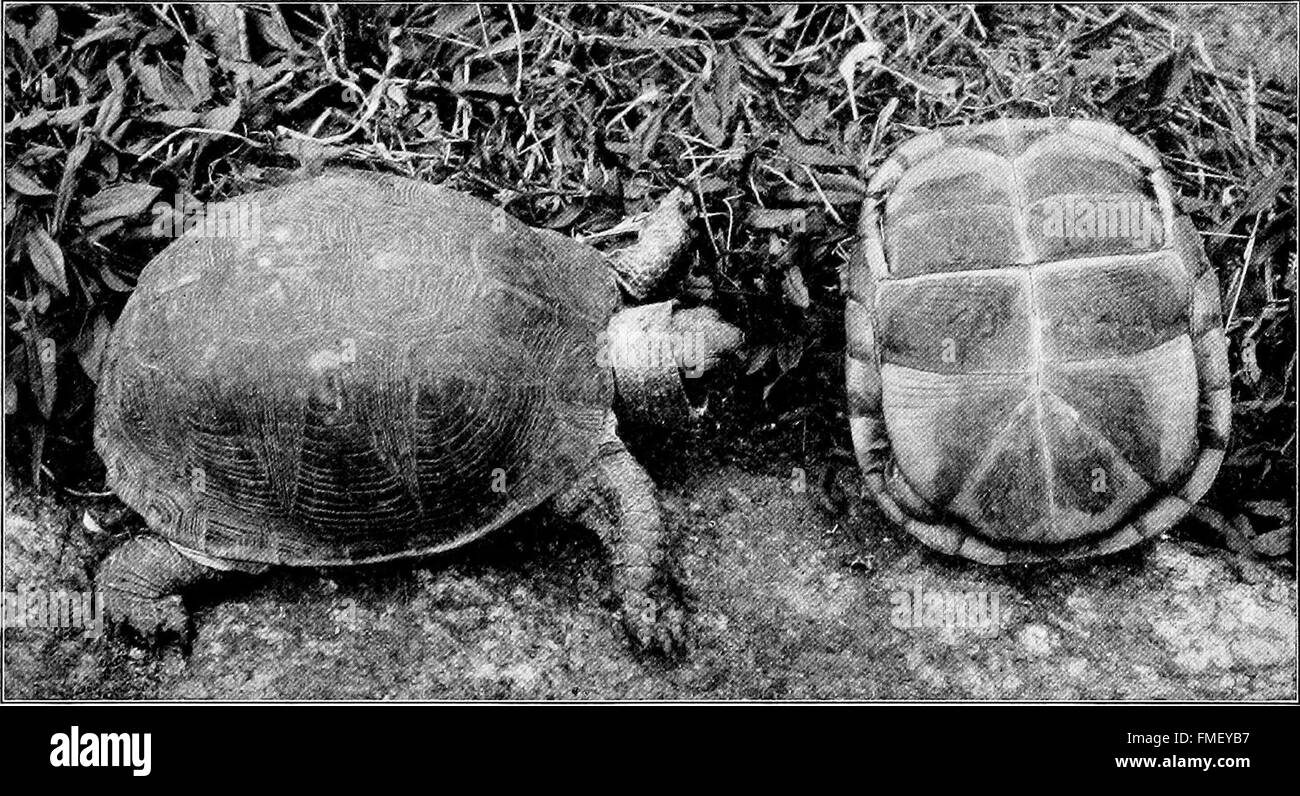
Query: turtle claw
point(154, 620)
point(656, 627)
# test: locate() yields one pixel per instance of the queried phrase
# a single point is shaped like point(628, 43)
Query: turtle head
point(660, 354)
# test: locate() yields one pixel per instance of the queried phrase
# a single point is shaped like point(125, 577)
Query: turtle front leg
point(141, 583)
point(619, 503)
point(663, 236)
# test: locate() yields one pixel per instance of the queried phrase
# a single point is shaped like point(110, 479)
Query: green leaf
point(47, 257)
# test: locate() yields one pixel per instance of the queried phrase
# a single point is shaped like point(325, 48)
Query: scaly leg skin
point(663, 236)
point(618, 502)
point(142, 581)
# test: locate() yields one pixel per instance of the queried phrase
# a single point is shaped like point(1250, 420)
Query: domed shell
point(1036, 363)
point(359, 367)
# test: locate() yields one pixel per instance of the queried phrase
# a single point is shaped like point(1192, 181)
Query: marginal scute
point(1215, 418)
point(868, 434)
point(1207, 309)
point(912, 503)
point(939, 537)
point(1212, 359)
point(1202, 477)
point(976, 550)
point(1163, 515)
point(862, 386)
point(859, 329)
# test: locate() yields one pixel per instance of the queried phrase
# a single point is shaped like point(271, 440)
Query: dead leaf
point(755, 55)
point(867, 52)
point(110, 111)
point(42, 370)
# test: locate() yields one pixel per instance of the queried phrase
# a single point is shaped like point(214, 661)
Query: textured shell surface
point(1024, 306)
point(371, 367)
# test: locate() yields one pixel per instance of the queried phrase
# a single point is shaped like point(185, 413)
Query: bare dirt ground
point(786, 602)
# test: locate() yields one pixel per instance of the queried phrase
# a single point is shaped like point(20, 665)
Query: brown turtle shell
point(364, 367)
point(1036, 362)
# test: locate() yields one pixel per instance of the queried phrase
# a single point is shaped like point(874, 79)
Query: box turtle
point(1036, 361)
point(378, 368)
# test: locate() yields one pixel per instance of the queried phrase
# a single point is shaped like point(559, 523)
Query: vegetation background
point(575, 117)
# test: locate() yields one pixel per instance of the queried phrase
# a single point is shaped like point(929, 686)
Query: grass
point(576, 117)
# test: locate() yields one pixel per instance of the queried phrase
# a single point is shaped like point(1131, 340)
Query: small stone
point(1036, 639)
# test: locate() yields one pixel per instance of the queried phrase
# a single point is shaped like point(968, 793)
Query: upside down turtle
point(1036, 365)
point(381, 368)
